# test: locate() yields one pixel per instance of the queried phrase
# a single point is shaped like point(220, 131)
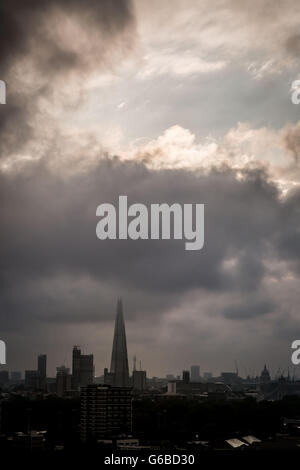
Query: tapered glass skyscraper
point(119, 359)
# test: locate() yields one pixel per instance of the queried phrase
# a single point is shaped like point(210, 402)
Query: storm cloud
point(45, 43)
point(162, 102)
point(54, 270)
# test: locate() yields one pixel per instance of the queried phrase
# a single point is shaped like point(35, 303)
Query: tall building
point(139, 379)
point(63, 380)
point(105, 412)
point(186, 376)
point(82, 368)
point(42, 371)
point(76, 354)
point(119, 358)
point(195, 373)
point(86, 369)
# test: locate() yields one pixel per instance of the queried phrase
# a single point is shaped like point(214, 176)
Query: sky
point(163, 101)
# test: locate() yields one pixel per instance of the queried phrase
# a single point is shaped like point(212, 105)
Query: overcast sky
point(163, 101)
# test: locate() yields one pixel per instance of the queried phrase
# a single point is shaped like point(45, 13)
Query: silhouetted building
point(4, 378)
point(76, 355)
point(31, 379)
point(186, 376)
point(198, 389)
point(86, 369)
point(63, 380)
point(108, 377)
point(230, 378)
point(139, 379)
point(105, 411)
point(119, 358)
point(265, 375)
point(82, 368)
point(195, 373)
point(15, 376)
point(42, 371)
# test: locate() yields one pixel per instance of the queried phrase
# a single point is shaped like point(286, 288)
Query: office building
point(139, 378)
point(119, 360)
point(105, 412)
point(186, 376)
point(63, 380)
point(82, 369)
point(195, 373)
point(42, 372)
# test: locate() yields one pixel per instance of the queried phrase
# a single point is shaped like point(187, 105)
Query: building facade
point(105, 412)
point(42, 372)
point(119, 371)
point(63, 380)
point(195, 373)
point(82, 369)
point(139, 380)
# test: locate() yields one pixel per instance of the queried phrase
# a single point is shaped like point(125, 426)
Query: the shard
point(119, 359)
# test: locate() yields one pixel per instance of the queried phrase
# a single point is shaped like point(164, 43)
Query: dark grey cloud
point(21, 23)
point(293, 45)
point(50, 226)
point(287, 241)
point(249, 309)
point(28, 35)
point(48, 231)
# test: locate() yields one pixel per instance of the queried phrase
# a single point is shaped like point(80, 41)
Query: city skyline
point(119, 371)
